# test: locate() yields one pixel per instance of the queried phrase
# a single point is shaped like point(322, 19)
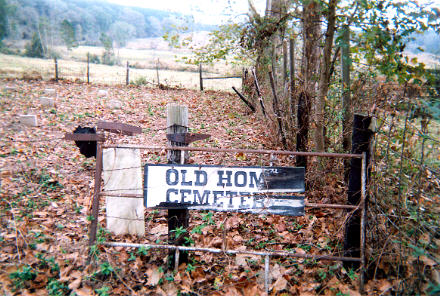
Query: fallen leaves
point(153, 276)
point(51, 186)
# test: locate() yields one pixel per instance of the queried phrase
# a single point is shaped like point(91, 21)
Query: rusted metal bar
point(187, 138)
point(176, 260)
point(118, 127)
point(266, 273)
point(256, 151)
point(129, 195)
point(232, 252)
point(310, 205)
point(363, 220)
point(331, 206)
point(221, 77)
point(260, 98)
point(243, 98)
point(84, 137)
point(95, 203)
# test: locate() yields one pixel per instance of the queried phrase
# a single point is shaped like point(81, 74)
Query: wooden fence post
point(201, 78)
point(127, 77)
point(157, 72)
point(88, 68)
point(361, 139)
point(95, 203)
point(56, 68)
point(177, 122)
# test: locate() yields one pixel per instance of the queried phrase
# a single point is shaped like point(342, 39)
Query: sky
point(211, 12)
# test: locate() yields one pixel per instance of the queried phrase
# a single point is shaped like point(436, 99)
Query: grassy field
point(72, 66)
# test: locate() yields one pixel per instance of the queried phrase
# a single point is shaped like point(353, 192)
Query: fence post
point(95, 203)
point(361, 139)
point(157, 72)
point(177, 122)
point(127, 77)
point(88, 68)
point(201, 78)
point(56, 68)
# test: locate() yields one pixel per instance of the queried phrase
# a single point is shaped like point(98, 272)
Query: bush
point(140, 81)
point(108, 58)
point(34, 49)
point(94, 59)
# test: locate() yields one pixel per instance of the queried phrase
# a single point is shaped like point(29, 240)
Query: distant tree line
point(46, 23)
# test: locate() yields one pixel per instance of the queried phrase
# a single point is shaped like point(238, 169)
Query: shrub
point(34, 49)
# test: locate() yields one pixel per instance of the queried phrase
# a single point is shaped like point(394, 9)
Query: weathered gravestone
point(29, 120)
point(50, 91)
point(47, 102)
point(122, 174)
point(114, 104)
point(102, 93)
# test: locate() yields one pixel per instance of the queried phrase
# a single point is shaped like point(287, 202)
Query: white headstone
point(114, 104)
point(29, 120)
point(47, 102)
point(102, 93)
point(122, 174)
point(49, 91)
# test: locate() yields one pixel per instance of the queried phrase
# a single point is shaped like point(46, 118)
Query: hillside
point(87, 20)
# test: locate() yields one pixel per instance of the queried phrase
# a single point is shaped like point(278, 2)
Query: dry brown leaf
point(159, 230)
point(154, 275)
point(84, 291)
point(279, 285)
point(384, 285)
point(75, 284)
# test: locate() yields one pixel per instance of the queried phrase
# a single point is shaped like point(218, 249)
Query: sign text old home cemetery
point(243, 189)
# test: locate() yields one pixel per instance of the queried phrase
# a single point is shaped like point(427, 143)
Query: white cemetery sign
point(259, 190)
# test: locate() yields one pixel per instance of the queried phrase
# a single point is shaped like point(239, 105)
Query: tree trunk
point(309, 68)
point(324, 80)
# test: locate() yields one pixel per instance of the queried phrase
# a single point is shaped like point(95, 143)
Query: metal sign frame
point(361, 207)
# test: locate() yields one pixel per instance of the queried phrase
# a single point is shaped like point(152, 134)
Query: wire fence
point(119, 74)
point(405, 194)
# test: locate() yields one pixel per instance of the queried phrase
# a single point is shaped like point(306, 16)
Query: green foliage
point(140, 81)
point(386, 30)
point(23, 275)
point(178, 231)
point(108, 56)
point(55, 288)
point(68, 34)
point(103, 291)
point(94, 59)
point(224, 44)
point(106, 269)
point(143, 251)
point(433, 289)
point(34, 48)
point(3, 20)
